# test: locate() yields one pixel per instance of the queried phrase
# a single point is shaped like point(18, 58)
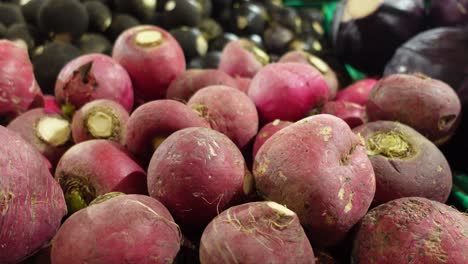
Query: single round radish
point(229, 111)
point(266, 132)
point(448, 13)
point(152, 57)
point(150, 124)
point(19, 90)
point(430, 106)
point(50, 133)
point(287, 91)
point(357, 92)
point(257, 232)
point(197, 173)
point(319, 169)
point(100, 119)
point(353, 114)
point(412, 230)
point(96, 167)
point(31, 201)
point(242, 58)
point(122, 229)
point(317, 63)
point(50, 105)
point(93, 76)
point(405, 163)
point(189, 82)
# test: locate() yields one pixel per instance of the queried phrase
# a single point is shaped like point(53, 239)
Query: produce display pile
point(233, 131)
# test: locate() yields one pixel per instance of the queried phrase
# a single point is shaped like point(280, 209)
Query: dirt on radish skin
point(287, 91)
point(335, 184)
point(19, 90)
point(31, 202)
point(229, 111)
point(406, 164)
point(189, 82)
point(428, 105)
point(93, 76)
point(152, 122)
point(122, 229)
point(257, 232)
point(266, 132)
point(95, 167)
point(49, 133)
point(357, 92)
point(412, 230)
point(158, 51)
point(197, 173)
point(100, 119)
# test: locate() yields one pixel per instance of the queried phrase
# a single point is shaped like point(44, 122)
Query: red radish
point(319, 169)
point(19, 90)
point(242, 58)
point(229, 111)
point(93, 76)
point(189, 82)
point(31, 201)
point(316, 62)
point(152, 57)
point(266, 132)
point(100, 119)
point(430, 106)
point(243, 84)
point(257, 232)
point(50, 133)
point(150, 124)
point(353, 114)
point(121, 229)
point(196, 173)
point(357, 92)
point(287, 91)
point(412, 230)
point(96, 167)
point(50, 105)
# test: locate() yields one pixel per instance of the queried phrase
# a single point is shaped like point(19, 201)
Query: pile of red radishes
point(137, 160)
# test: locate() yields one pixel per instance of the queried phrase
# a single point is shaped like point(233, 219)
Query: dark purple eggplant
point(448, 12)
point(438, 53)
point(367, 33)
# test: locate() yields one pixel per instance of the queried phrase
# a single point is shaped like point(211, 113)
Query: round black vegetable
point(100, 17)
point(367, 33)
point(448, 12)
point(210, 28)
point(277, 38)
point(48, 60)
point(10, 14)
point(182, 13)
point(191, 40)
point(94, 43)
point(3, 30)
point(24, 32)
point(248, 18)
point(31, 10)
point(66, 20)
point(120, 23)
point(287, 17)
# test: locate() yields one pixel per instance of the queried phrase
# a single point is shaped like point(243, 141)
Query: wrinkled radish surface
point(318, 168)
point(266, 132)
point(353, 114)
point(257, 232)
point(412, 230)
point(31, 202)
point(94, 76)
